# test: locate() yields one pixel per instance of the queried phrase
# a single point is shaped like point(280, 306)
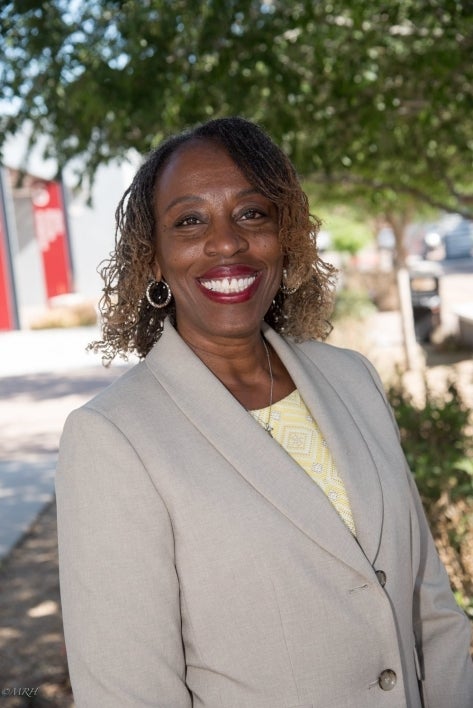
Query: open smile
point(228, 285)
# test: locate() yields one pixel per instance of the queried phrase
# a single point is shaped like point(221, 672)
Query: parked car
point(458, 242)
point(454, 234)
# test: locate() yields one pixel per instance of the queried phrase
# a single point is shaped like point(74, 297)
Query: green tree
point(373, 96)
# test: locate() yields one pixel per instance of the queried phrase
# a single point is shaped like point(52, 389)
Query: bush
point(352, 304)
point(81, 315)
point(436, 438)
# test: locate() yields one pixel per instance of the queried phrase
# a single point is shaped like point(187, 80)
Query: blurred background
point(373, 103)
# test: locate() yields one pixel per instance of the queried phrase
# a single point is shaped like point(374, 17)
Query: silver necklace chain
point(267, 426)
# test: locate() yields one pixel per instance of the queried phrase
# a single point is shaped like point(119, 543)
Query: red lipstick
point(229, 271)
point(229, 284)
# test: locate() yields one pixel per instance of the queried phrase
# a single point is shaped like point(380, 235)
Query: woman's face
point(217, 245)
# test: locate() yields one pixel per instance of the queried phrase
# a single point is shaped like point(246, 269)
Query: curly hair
point(130, 324)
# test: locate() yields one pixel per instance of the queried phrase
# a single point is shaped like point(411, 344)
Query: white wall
point(91, 227)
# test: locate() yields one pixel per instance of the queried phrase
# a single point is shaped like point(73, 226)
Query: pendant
point(268, 428)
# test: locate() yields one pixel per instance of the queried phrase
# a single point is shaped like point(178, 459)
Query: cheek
point(175, 260)
point(278, 257)
point(165, 252)
point(270, 247)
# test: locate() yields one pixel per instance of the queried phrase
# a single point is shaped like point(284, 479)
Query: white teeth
point(228, 285)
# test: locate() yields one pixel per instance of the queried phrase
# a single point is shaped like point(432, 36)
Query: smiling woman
point(237, 523)
point(217, 244)
point(270, 192)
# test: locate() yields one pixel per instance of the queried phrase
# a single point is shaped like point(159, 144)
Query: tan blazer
point(200, 566)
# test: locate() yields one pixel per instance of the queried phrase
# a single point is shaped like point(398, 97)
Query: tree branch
point(354, 180)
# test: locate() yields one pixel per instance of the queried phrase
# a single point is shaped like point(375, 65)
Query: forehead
point(196, 164)
point(200, 149)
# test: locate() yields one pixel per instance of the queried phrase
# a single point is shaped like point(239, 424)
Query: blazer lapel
point(254, 454)
point(328, 404)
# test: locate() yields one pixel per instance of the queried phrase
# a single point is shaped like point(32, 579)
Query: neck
point(232, 360)
point(242, 366)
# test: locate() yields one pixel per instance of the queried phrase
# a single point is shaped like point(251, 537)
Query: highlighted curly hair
point(130, 324)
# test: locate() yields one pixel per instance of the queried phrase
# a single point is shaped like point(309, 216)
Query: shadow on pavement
point(85, 382)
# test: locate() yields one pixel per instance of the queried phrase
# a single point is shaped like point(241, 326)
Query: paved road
point(456, 288)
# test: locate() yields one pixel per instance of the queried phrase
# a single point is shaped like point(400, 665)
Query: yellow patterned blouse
point(293, 427)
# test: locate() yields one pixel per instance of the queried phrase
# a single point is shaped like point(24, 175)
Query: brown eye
point(252, 214)
point(190, 220)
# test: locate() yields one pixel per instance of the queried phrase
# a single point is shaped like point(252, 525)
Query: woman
point(237, 524)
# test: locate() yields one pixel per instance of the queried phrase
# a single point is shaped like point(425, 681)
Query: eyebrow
point(195, 198)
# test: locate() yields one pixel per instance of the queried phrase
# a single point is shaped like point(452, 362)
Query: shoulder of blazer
point(121, 391)
point(337, 362)
point(346, 369)
point(326, 354)
point(141, 384)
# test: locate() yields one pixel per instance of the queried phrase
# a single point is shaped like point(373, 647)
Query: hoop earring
point(162, 294)
point(284, 288)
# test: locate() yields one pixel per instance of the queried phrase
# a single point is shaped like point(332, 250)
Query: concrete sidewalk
point(43, 376)
point(47, 350)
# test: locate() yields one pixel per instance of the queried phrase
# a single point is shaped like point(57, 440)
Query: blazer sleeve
point(119, 586)
point(442, 630)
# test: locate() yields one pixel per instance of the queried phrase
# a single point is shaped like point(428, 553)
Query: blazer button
point(381, 575)
point(387, 680)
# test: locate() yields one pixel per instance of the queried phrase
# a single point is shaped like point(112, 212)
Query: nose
point(225, 238)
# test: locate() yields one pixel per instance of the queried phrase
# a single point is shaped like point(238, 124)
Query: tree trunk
point(399, 223)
